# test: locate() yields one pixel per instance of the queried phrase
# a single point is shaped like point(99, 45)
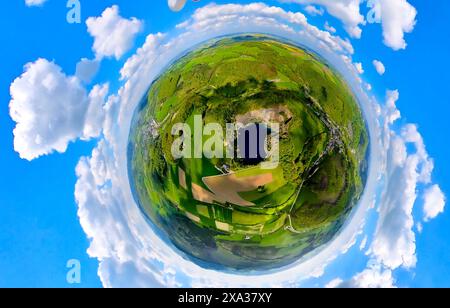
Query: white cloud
point(262, 16)
point(335, 283)
point(346, 10)
point(397, 17)
point(95, 114)
point(329, 28)
point(94, 173)
point(113, 35)
point(35, 2)
point(379, 67)
point(419, 227)
point(50, 110)
point(363, 244)
point(176, 5)
point(394, 245)
point(394, 242)
point(149, 49)
point(434, 202)
point(355, 67)
point(313, 10)
point(372, 277)
point(87, 69)
point(359, 68)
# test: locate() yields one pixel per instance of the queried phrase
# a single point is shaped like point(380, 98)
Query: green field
point(306, 199)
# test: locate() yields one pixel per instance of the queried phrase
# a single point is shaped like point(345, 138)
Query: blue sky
point(39, 227)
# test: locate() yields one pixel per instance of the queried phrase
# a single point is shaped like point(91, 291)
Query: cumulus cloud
point(263, 16)
point(87, 69)
point(329, 28)
point(355, 67)
point(373, 277)
point(113, 35)
point(35, 2)
point(379, 67)
point(363, 244)
point(51, 109)
point(434, 202)
point(394, 245)
point(345, 10)
point(359, 68)
point(149, 49)
point(177, 5)
point(397, 17)
point(419, 227)
point(394, 240)
point(95, 113)
point(408, 166)
point(313, 10)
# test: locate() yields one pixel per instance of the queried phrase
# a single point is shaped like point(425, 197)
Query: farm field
point(230, 212)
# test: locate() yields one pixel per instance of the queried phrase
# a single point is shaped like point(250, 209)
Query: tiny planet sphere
point(229, 213)
point(177, 5)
